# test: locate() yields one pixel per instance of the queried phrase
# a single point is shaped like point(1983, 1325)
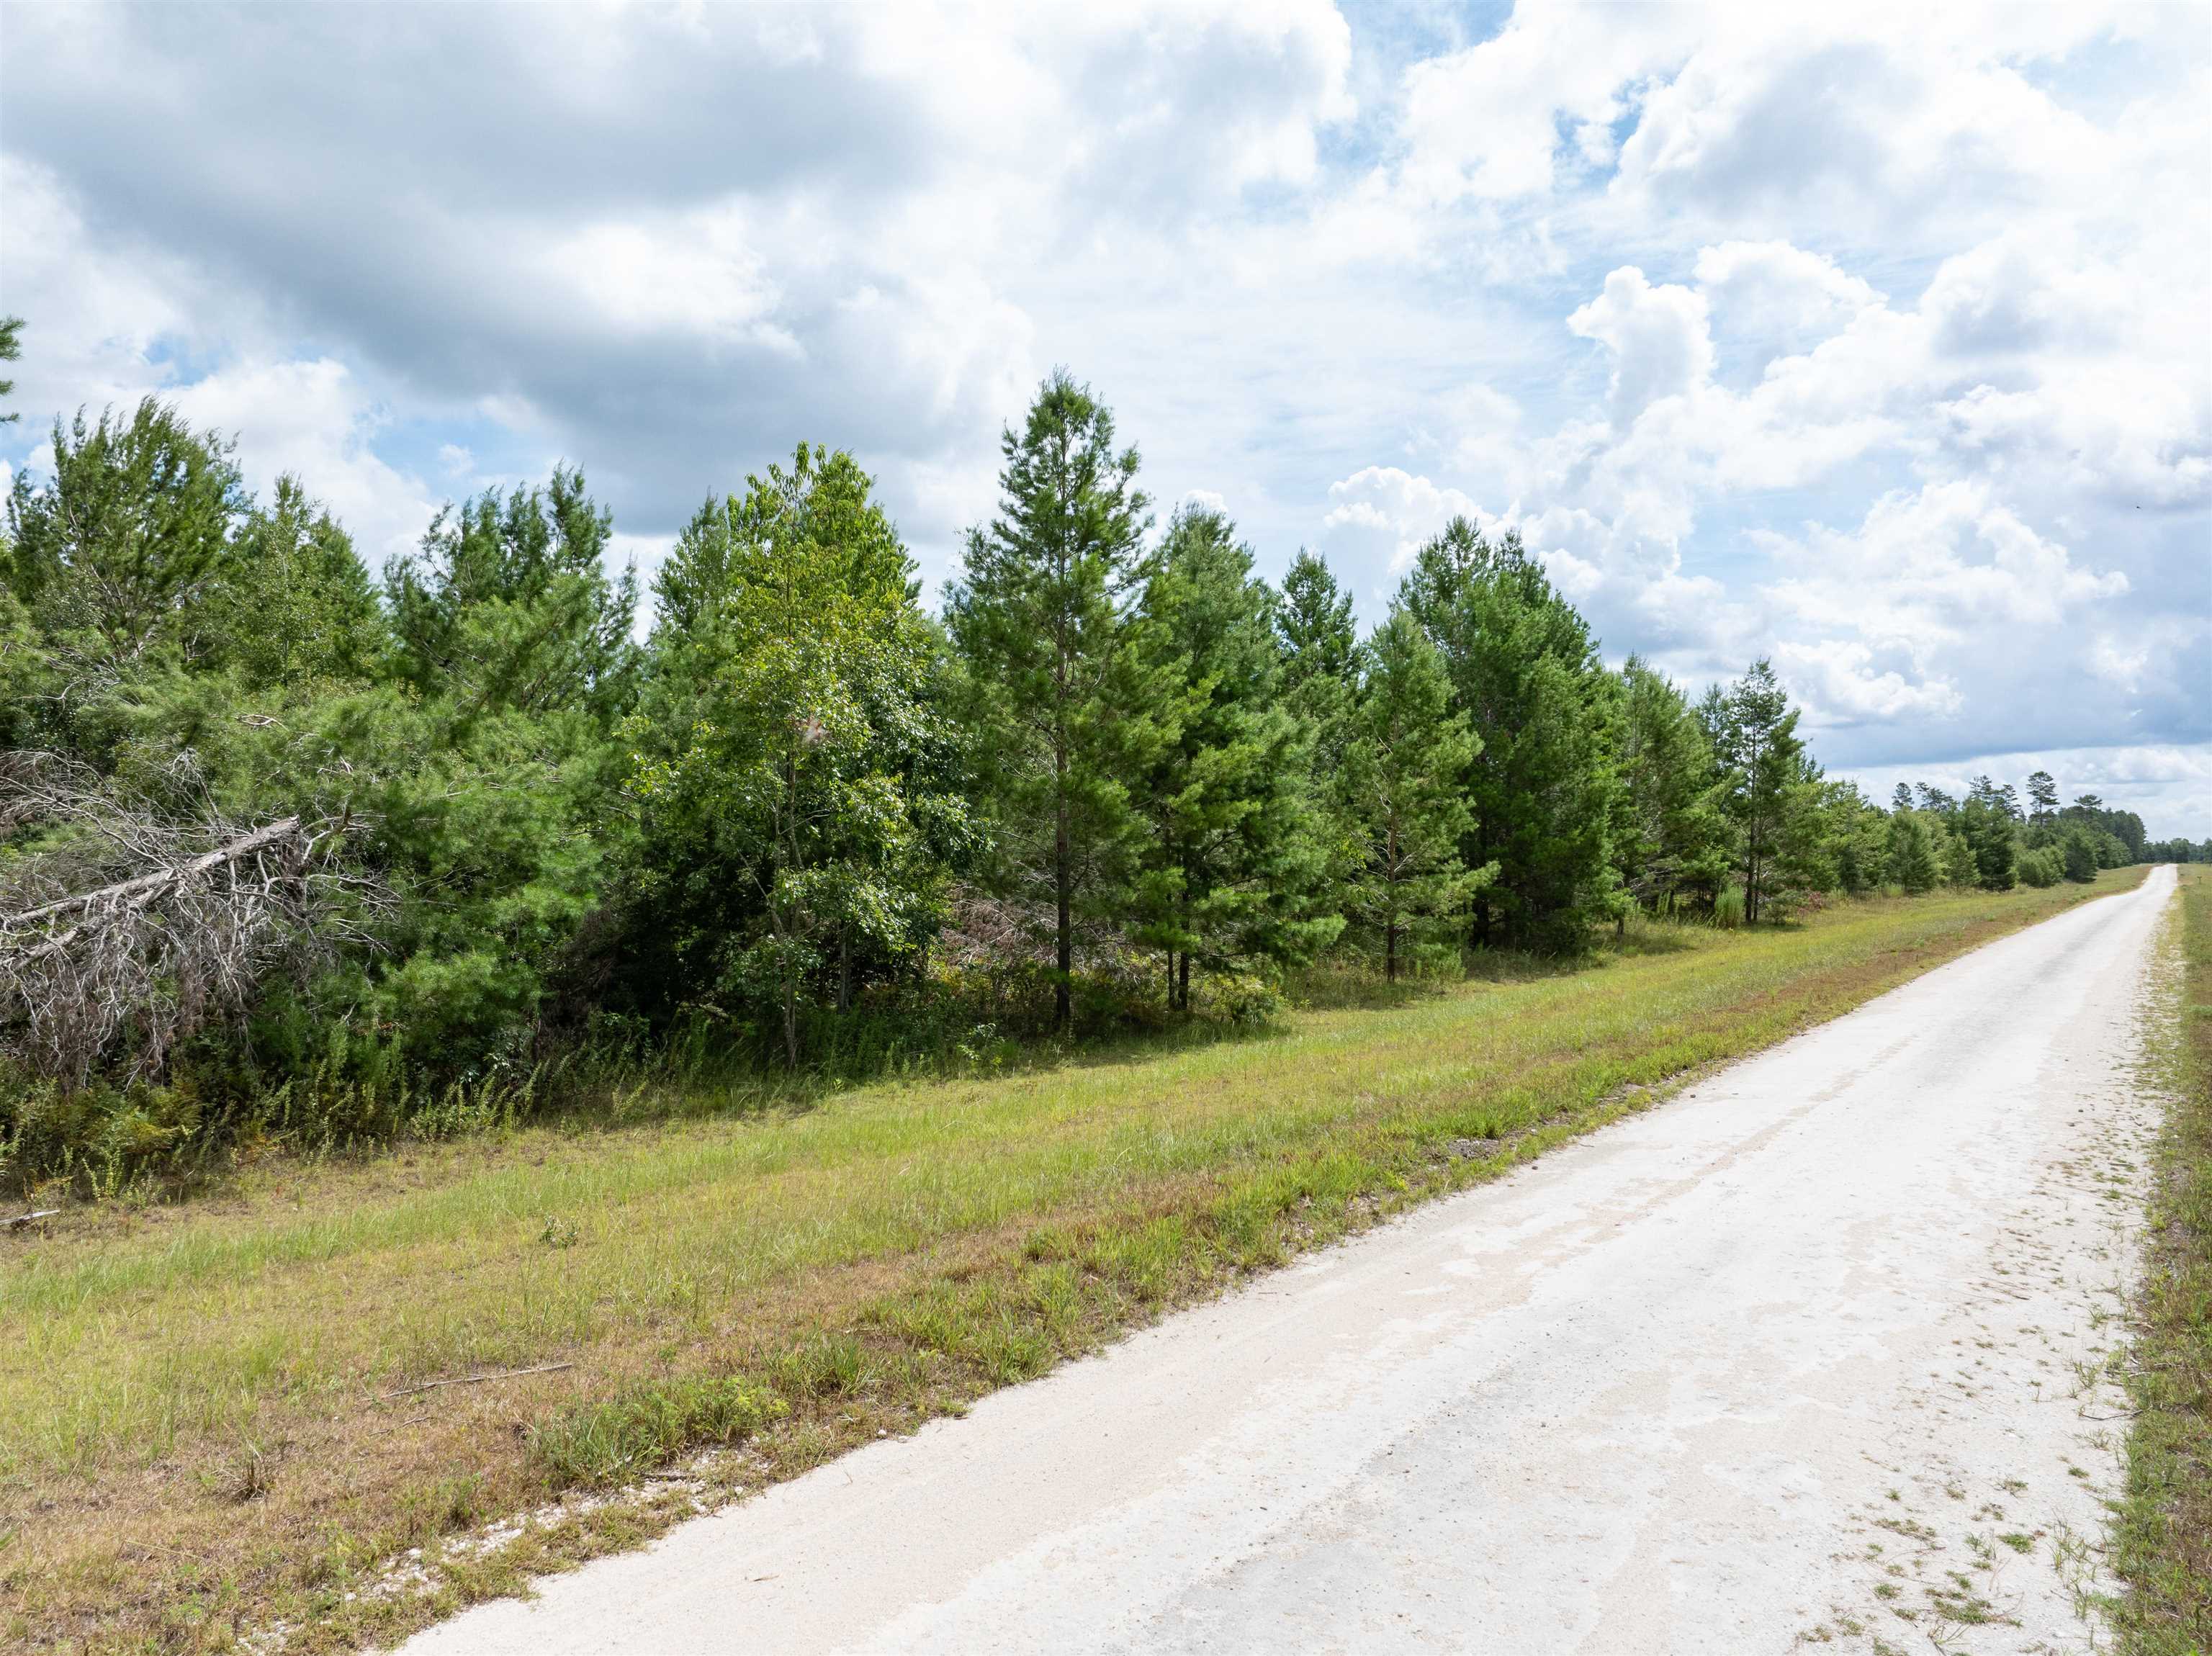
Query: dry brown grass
point(195, 1440)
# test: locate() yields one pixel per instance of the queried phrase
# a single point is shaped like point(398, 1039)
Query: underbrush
point(2164, 1538)
point(210, 1120)
point(213, 1119)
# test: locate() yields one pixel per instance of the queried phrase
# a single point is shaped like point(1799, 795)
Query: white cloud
point(1926, 570)
point(1382, 514)
point(310, 419)
point(1780, 294)
point(1660, 337)
point(1841, 684)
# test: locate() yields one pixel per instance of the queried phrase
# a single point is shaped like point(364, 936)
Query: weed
point(834, 1366)
point(603, 1443)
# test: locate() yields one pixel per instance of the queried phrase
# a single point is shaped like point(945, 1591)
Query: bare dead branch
point(136, 931)
point(473, 1379)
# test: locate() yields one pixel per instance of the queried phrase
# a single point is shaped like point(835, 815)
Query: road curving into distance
point(1807, 1351)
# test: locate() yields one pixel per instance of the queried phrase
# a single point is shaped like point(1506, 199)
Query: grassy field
point(2164, 1535)
point(214, 1417)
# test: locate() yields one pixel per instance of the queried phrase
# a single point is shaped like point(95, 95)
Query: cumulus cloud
point(1660, 338)
point(1381, 515)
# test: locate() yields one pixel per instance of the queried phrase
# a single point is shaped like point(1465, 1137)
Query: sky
point(1875, 340)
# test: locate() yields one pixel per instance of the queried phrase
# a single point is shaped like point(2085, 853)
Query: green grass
point(2164, 1538)
point(205, 1418)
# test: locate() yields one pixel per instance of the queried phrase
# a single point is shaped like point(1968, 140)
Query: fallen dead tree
point(186, 923)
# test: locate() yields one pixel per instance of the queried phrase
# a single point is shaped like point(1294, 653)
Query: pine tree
point(1319, 646)
point(11, 332)
point(1913, 863)
point(508, 606)
point(1769, 792)
point(2042, 796)
point(1320, 658)
point(2078, 849)
point(1670, 838)
point(112, 557)
point(1986, 823)
point(1236, 863)
point(689, 587)
point(1900, 799)
point(292, 601)
point(1959, 867)
point(1852, 835)
point(1409, 751)
point(1526, 673)
point(1059, 709)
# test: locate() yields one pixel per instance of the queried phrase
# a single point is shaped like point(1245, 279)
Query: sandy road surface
point(1783, 1358)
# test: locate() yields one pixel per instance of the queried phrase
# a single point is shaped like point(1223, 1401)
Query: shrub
point(2078, 849)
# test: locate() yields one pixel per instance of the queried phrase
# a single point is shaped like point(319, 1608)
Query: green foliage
point(1960, 868)
point(1770, 789)
point(24, 673)
point(2123, 826)
point(1062, 712)
point(790, 768)
point(1987, 830)
point(1320, 658)
point(2042, 796)
point(292, 601)
point(1670, 840)
point(1404, 765)
point(11, 347)
point(508, 608)
point(1525, 673)
point(2081, 854)
point(804, 821)
point(1856, 834)
point(112, 556)
point(598, 1444)
point(1237, 862)
point(1914, 863)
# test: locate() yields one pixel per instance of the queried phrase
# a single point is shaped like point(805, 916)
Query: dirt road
point(1797, 1354)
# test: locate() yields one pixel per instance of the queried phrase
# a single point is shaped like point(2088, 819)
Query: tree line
point(264, 815)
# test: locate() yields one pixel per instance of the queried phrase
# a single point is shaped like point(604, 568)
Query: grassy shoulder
point(2164, 1538)
point(216, 1417)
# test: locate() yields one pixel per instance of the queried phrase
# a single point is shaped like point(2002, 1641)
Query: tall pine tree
point(1526, 673)
point(1670, 839)
point(1404, 768)
point(1060, 711)
point(1236, 865)
point(1769, 789)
